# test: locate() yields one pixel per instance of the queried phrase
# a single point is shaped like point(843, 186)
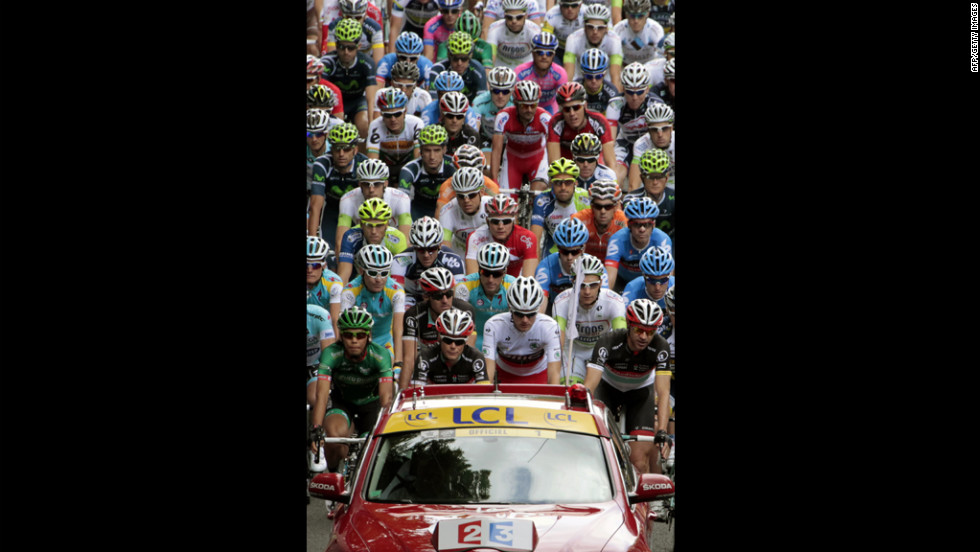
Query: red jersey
point(522, 244)
point(597, 243)
point(522, 141)
point(339, 108)
point(560, 131)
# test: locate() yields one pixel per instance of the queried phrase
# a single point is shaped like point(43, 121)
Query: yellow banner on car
point(491, 416)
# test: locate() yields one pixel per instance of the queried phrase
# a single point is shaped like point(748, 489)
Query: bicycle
point(525, 201)
point(349, 465)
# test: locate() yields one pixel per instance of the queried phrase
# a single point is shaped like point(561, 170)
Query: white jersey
point(577, 44)
point(607, 313)
point(603, 172)
point(397, 199)
point(535, 9)
point(457, 226)
point(639, 47)
point(512, 49)
point(656, 70)
point(521, 353)
point(394, 146)
point(317, 318)
point(646, 143)
point(557, 25)
point(419, 99)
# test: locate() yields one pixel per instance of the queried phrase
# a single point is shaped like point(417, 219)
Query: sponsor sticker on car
point(510, 535)
point(491, 417)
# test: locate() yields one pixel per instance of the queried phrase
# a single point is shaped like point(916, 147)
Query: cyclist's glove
point(661, 437)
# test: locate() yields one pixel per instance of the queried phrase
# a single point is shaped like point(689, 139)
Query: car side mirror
point(652, 486)
point(329, 486)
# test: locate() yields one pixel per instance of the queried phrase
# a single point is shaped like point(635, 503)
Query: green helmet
point(343, 134)
point(375, 209)
point(654, 160)
point(348, 30)
point(469, 23)
point(563, 166)
point(459, 43)
point(355, 319)
point(433, 135)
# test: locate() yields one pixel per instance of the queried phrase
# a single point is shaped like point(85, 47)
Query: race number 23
point(472, 532)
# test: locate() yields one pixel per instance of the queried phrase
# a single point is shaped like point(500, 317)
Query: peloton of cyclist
point(551, 208)
point(524, 344)
point(426, 252)
point(374, 215)
point(524, 129)
point(486, 290)
point(628, 245)
point(502, 227)
point(452, 359)
point(603, 218)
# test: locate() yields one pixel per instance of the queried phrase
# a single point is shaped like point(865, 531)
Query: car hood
point(408, 527)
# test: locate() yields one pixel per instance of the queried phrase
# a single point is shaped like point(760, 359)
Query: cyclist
point(488, 103)
point(660, 135)
point(317, 122)
point(523, 342)
point(453, 109)
point(665, 90)
point(599, 91)
point(662, 11)
point(409, 16)
point(393, 137)
point(551, 208)
point(634, 370)
point(554, 273)
point(408, 48)
point(353, 73)
point(603, 218)
point(667, 46)
point(524, 127)
point(371, 42)
point(421, 178)
point(420, 321)
point(496, 12)
point(654, 171)
point(640, 35)
point(511, 38)
point(364, 385)
point(460, 61)
point(324, 95)
point(320, 334)
point(501, 227)
point(543, 70)
point(437, 29)
point(426, 252)
point(405, 77)
point(323, 286)
point(482, 51)
point(626, 113)
point(563, 20)
point(573, 120)
point(374, 215)
point(313, 32)
point(314, 80)
point(594, 34)
point(466, 156)
point(628, 245)
point(486, 290)
point(597, 311)
point(452, 359)
point(586, 149)
point(460, 218)
point(378, 293)
point(334, 175)
point(444, 83)
point(372, 179)
point(656, 264)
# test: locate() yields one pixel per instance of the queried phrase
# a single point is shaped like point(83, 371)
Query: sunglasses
point(378, 273)
point(315, 134)
point(596, 27)
point(643, 330)
point(659, 129)
point(562, 183)
point(545, 53)
point(608, 207)
point(344, 149)
point(655, 176)
point(354, 335)
point(636, 92)
point(440, 295)
point(452, 341)
point(524, 314)
point(641, 225)
point(492, 273)
point(658, 281)
point(393, 115)
point(570, 108)
point(570, 5)
point(314, 266)
point(470, 195)
point(637, 16)
point(408, 85)
point(514, 17)
point(373, 184)
point(452, 11)
point(412, 58)
point(374, 224)
point(569, 252)
point(592, 285)
point(500, 91)
point(586, 159)
point(459, 59)
point(428, 250)
point(501, 222)
point(348, 47)
point(456, 116)
point(595, 76)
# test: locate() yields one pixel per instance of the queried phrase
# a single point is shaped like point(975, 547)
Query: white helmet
point(426, 232)
point(493, 256)
point(644, 312)
point(525, 295)
point(590, 265)
point(455, 323)
point(527, 91)
point(669, 69)
point(501, 77)
point(374, 257)
point(372, 170)
point(596, 11)
point(467, 179)
point(659, 113)
point(316, 248)
point(635, 75)
point(454, 102)
point(512, 5)
point(436, 279)
point(317, 120)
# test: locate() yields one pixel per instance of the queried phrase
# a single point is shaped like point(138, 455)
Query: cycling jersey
point(372, 36)
point(631, 124)
point(561, 132)
point(435, 33)
point(495, 11)
point(319, 326)
point(417, 102)
point(487, 112)
point(468, 134)
point(637, 289)
point(524, 152)
point(549, 83)
point(512, 49)
point(331, 182)
point(622, 254)
point(423, 186)
point(355, 381)
point(598, 242)
point(327, 291)
point(414, 13)
point(419, 322)
point(656, 70)
point(665, 220)
point(577, 43)
point(382, 305)
point(353, 241)
point(383, 74)
point(662, 93)
point(469, 289)
point(482, 52)
point(661, 14)
point(639, 47)
point(352, 81)
point(624, 369)
point(406, 269)
point(645, 143)
point(339, 108)
point(522, 243)
point(557, 25)
point(554, 280)
point(396, 199)
point(471, 367)
point(457, 226)
point(394, 148)
point(599, 101)
point(548, 214)
point(518, 353)
point(474, 78)
point(431, 116)
point(606, 314)
point(601, 172)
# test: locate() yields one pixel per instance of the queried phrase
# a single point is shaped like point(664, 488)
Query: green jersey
point(355, 381)
point(482, 52)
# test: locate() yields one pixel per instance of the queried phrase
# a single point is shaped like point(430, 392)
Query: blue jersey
point(469, 289)
point(318, 326)
point(388, 61)
point(430, 116)
point(548, 214)
point(637, 289)
point(553, 279)
point(382, 305)
point(623, 255)
point(327, 290)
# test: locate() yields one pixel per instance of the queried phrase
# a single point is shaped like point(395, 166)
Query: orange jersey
point(598, 243)
point(447, 194)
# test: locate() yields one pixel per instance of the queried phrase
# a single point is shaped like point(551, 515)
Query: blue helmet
point(657, 261)
point(409, 43)
point(641, 208)
point(545, 40)
point(391, 98)
point(571, 233)
point(448, 4)
point(594, 60)
point(449, 81)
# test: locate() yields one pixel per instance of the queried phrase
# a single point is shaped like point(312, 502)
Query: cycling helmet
point(313, 65)
point(433, 135)
point(669, 70)
point(605, 189)
point(654, 160)
point(493, 256)
point(571, 233)
point(636, 6)
point(405, 70)
point(353, 8)
point(320, 95)
point(454, 102)
point(513, 5)
point(467, 179)
point(348, 30)
point(571, 92)
point(669, 42)
point(659, 113)
point(392, 99)
point(455, 322)
point(409, 44)
point(469, 23)
point(641, 208)
point(590, 265)
point(372, 170)
point(656, 261)
point(316, 249)
point(469, 155)
point(594, 60)
point(563, 166)
point(426, 232)
point(374, 209)
point(459, 43)
point(448, 81)
point(317, 120)
point(524, 295)
point(527, 91)
point(596, 11)
point(644, 312)
point(449, 4)
point(586, 145)
point(501, 205)
point(345, 133)
point(374, 257)
point(501, 78)
point(436, 279)
point(545, 41)
point(635, 75)
point(669, 299)
point(355, 319)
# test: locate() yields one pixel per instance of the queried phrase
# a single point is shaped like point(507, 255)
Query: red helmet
point(501, 205)
point(571, 92)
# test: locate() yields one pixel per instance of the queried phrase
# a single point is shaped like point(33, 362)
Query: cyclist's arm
point(487, 21)
point(395, 30)
point(335, 315)
point(316, 210)
point(662, 385)
point(554, 372)
point(344, 270)
point(496, 156)
point(609, 148)
point(592, 377)
point(322, 396)
point(634, 177)
point(538, 232)
point(370, 90)
point(530, 264)
point(313, 31)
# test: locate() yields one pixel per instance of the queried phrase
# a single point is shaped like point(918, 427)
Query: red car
point(458, 467)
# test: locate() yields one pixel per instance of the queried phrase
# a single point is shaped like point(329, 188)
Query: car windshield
point(453, 466)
